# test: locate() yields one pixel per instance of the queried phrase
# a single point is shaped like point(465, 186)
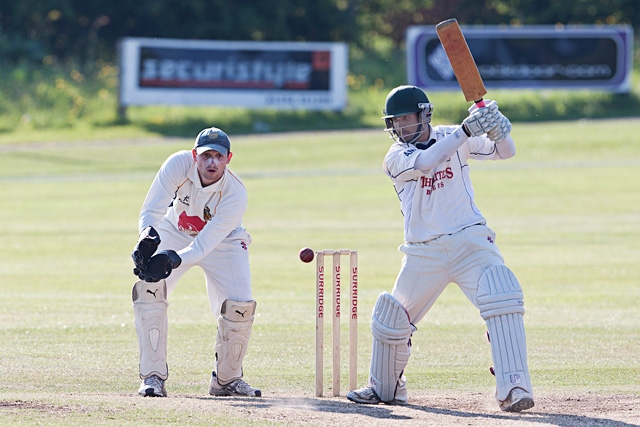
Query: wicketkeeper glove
point(147, 245)
point(501, 130)
point(481, 120)
point(160, 266)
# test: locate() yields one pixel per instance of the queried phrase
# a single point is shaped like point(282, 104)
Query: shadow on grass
point(573, 106)
point(413, 412)
point(529, 107)
point(544, 418)
point(256, 122)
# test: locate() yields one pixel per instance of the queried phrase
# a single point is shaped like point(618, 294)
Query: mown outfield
point(566, 210)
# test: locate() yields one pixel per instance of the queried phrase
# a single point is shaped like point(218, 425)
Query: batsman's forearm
point(441, 150)
point(506, 148)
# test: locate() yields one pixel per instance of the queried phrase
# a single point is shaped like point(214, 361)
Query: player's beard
point(411, 137)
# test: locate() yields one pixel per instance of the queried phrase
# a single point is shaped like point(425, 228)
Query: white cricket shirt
point(439, 200)
point(207, 214)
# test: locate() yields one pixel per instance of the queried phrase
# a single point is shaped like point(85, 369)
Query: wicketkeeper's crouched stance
point(192, 216)
point(446, 240)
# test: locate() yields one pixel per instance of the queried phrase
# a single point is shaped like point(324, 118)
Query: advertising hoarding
point(282, 75)
point(535, 57)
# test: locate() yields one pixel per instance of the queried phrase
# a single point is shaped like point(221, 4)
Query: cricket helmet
point(405, 100)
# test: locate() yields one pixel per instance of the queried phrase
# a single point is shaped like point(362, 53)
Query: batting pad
point(150, 313)
point(391, 331)
point(501, 305)
point(234, 331)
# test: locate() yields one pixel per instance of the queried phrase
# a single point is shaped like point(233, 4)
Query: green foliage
point(575, 12)
point(84, 31)
point(56, 97)
point(64, 101)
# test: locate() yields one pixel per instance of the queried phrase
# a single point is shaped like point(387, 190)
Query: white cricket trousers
point(428, 267)
point(226, 268)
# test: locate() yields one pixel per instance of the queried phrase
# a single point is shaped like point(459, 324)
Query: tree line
point(83, 31)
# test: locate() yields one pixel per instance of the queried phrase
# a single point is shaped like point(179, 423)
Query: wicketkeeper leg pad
point(150, 313)
point(234, 330)
point(501, 305)
point(391, 331)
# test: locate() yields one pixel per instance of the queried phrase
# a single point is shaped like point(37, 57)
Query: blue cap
point(212, 139)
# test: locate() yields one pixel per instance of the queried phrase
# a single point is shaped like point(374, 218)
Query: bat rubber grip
point(480, 103)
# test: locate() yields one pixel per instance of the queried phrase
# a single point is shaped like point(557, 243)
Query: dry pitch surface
point(424, 410)
point(438, 410)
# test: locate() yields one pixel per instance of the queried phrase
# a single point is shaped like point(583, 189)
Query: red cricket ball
point(306, 254)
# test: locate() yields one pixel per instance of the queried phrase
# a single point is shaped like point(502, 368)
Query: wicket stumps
point(353, 318)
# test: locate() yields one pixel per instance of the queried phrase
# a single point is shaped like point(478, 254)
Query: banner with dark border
point(535, 57)
point(250, 74)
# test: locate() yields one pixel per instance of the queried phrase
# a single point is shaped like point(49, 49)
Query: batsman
point(192, 215)
point(446, 240)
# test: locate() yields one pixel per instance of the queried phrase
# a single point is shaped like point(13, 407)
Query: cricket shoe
point(517, 400)
point(368, 395)
point(152, 387)
point(234, 388)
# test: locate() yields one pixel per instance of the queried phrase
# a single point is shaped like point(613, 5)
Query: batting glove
point(501, 130)
point(145, 248)
point(481, 120)
point(160, 266)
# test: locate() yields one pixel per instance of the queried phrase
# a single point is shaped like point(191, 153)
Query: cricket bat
point(462, 62)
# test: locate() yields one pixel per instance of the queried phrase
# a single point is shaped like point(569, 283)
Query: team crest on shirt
point(191, 225)
point(207, 214)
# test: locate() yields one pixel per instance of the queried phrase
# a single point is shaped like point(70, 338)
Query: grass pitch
point(566, 211)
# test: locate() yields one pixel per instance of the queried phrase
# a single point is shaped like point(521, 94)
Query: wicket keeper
point(192, 215)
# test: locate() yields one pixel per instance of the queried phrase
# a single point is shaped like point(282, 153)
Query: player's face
point(406, 126)
point(211, 165)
